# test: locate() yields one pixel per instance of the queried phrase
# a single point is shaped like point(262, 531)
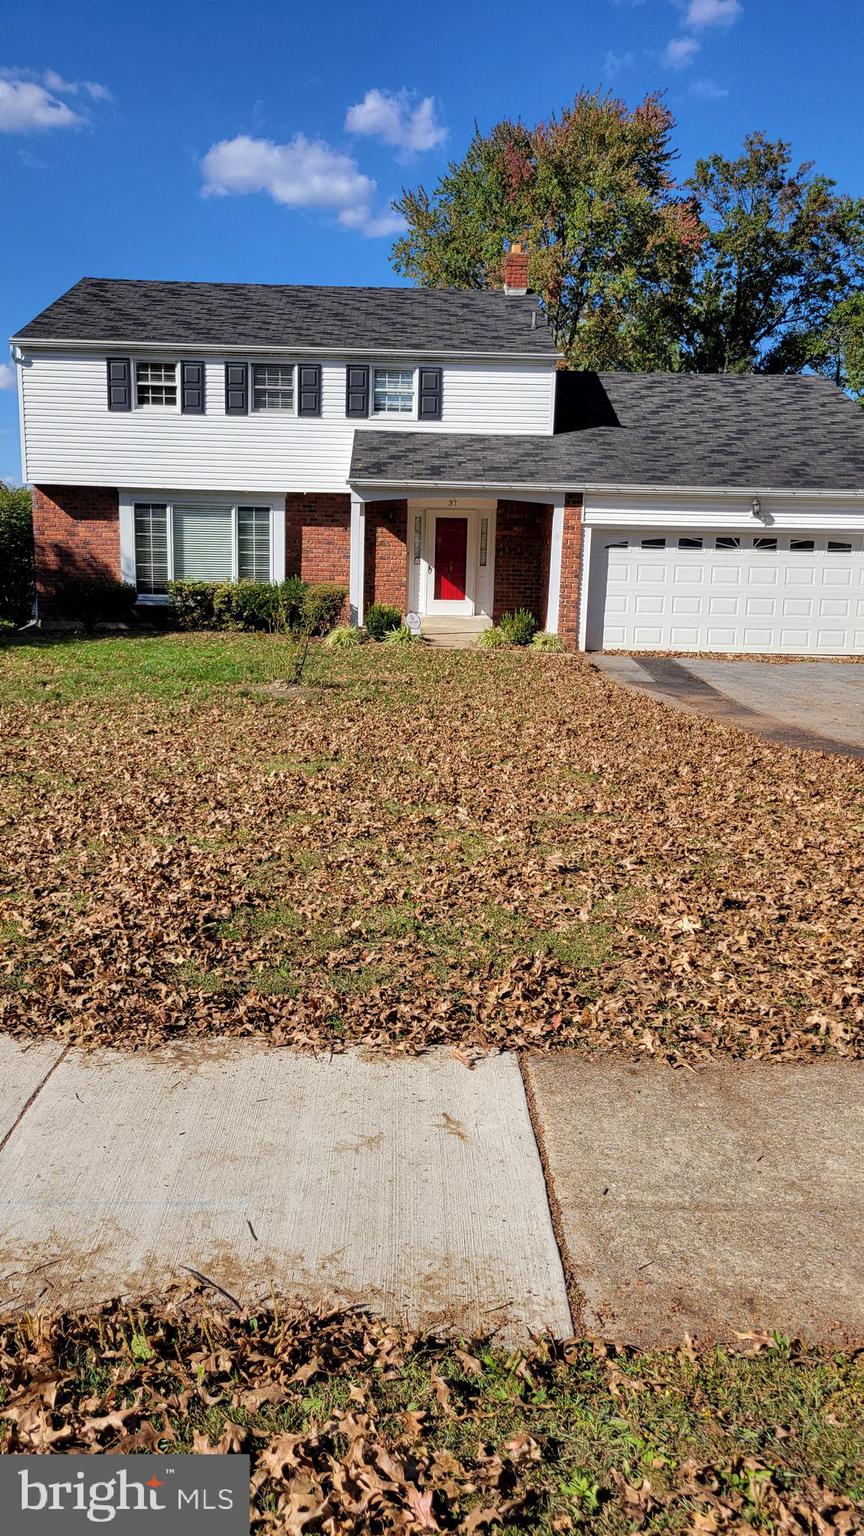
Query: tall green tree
point(837, 350)
point(781, 250)
point(591, 193)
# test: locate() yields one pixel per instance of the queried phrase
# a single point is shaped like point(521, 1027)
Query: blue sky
point(264, 144)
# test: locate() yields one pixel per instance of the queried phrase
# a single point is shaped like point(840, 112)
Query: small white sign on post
point(413, 622)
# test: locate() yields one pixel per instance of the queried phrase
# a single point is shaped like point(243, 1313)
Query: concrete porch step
point(453, 634)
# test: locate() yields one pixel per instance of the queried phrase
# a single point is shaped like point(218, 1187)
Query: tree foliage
point(17, 574)
point(782, 250)
point(752, 263)
point(591, 193)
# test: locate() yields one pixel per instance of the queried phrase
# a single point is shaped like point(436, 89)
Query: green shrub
point(544, 642)
point(96, 600)
point(344, 635)
point(7, 630)
point(238, 604)
point(380, 618)
point(492, 639)
point(17, 572)
point(519, 627)
point(402, 635)
point(193, 603)
point(322, 607)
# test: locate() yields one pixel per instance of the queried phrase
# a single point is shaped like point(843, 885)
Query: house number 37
point(453, 502)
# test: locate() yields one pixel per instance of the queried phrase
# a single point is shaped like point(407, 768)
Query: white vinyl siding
point(151, 547)
point(203, 543)
point(253, 543)
point(272, 387)
point(393, 391)
point(71, 437)
point(156, 384)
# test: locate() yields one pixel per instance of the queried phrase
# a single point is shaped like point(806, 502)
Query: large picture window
point(201, 541)
point(393, 391)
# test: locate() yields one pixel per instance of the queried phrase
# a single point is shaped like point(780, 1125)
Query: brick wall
point(522, 541)
point(317, 537)
point(385, 565)
point(76, 530)
point(571, 571)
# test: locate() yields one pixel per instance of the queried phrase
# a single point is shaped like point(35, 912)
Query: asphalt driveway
point(810, 704)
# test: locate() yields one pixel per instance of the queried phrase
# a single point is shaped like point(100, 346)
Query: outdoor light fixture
point(756, 507)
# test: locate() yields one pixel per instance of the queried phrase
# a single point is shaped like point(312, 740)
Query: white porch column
point(557, 544)
point(357, 556)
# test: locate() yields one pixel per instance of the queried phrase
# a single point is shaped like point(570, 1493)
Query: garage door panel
point(761, 607)
point(754, 593)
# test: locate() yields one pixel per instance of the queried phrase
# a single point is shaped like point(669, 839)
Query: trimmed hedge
point(287, 606)
point(96, 600)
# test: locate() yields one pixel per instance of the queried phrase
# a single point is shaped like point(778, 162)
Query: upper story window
point(272, 387)
point(156, 384)
point(393, 391)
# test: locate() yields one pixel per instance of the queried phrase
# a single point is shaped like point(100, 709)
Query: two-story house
point(424, 448)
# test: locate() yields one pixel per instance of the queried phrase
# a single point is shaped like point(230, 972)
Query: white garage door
point(726, 592)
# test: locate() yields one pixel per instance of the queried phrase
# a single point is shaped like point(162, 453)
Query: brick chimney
point(516, 270)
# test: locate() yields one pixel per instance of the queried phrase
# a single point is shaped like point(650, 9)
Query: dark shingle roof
point(121, 311)
point(785, 432)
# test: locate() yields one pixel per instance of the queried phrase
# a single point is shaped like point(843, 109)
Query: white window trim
point(161, 410)
point(394, 415)
point(272, 362)
point(128, 498)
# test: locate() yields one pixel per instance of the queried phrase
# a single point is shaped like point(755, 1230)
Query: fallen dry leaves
point(437, 847)
point(349, 1430)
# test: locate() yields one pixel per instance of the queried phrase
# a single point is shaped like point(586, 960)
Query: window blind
point(253, 541)
point(151, 546)
point(202, 543)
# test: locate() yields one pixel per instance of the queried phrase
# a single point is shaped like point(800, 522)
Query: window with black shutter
point(236, 389)
point(309, 389)
point(192, 389)
point(119, 384)
point(430, 394)
point(357, 389)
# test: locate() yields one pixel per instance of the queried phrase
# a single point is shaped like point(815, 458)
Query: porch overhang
point(396, 464)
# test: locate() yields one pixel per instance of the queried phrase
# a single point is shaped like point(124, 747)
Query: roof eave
point(210, 348)
point(746, 488)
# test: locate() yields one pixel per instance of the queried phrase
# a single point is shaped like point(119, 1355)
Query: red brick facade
point(523, 536)
point(385, 574)
point(317, 537)
point(571, 571)
point(77, 534)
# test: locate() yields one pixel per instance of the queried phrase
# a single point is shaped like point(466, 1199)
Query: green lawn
point(358, 1428)
point(415, 846)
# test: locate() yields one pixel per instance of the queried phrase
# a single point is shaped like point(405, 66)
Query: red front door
point(451, 558)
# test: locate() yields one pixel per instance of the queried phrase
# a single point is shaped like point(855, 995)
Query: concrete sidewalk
point(410, 1185)
point(724, 1200)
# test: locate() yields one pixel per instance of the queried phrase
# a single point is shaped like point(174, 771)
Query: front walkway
point(708, 1202)
point(817, 705)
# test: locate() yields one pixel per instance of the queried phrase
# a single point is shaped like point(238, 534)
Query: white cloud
point(25, 105)
point(304, 173)
point(708, 90)
point(614, 63)
point(7, 376)
point(712, 13)
point(680, 51)
point(391, 116)
point(29, 102)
